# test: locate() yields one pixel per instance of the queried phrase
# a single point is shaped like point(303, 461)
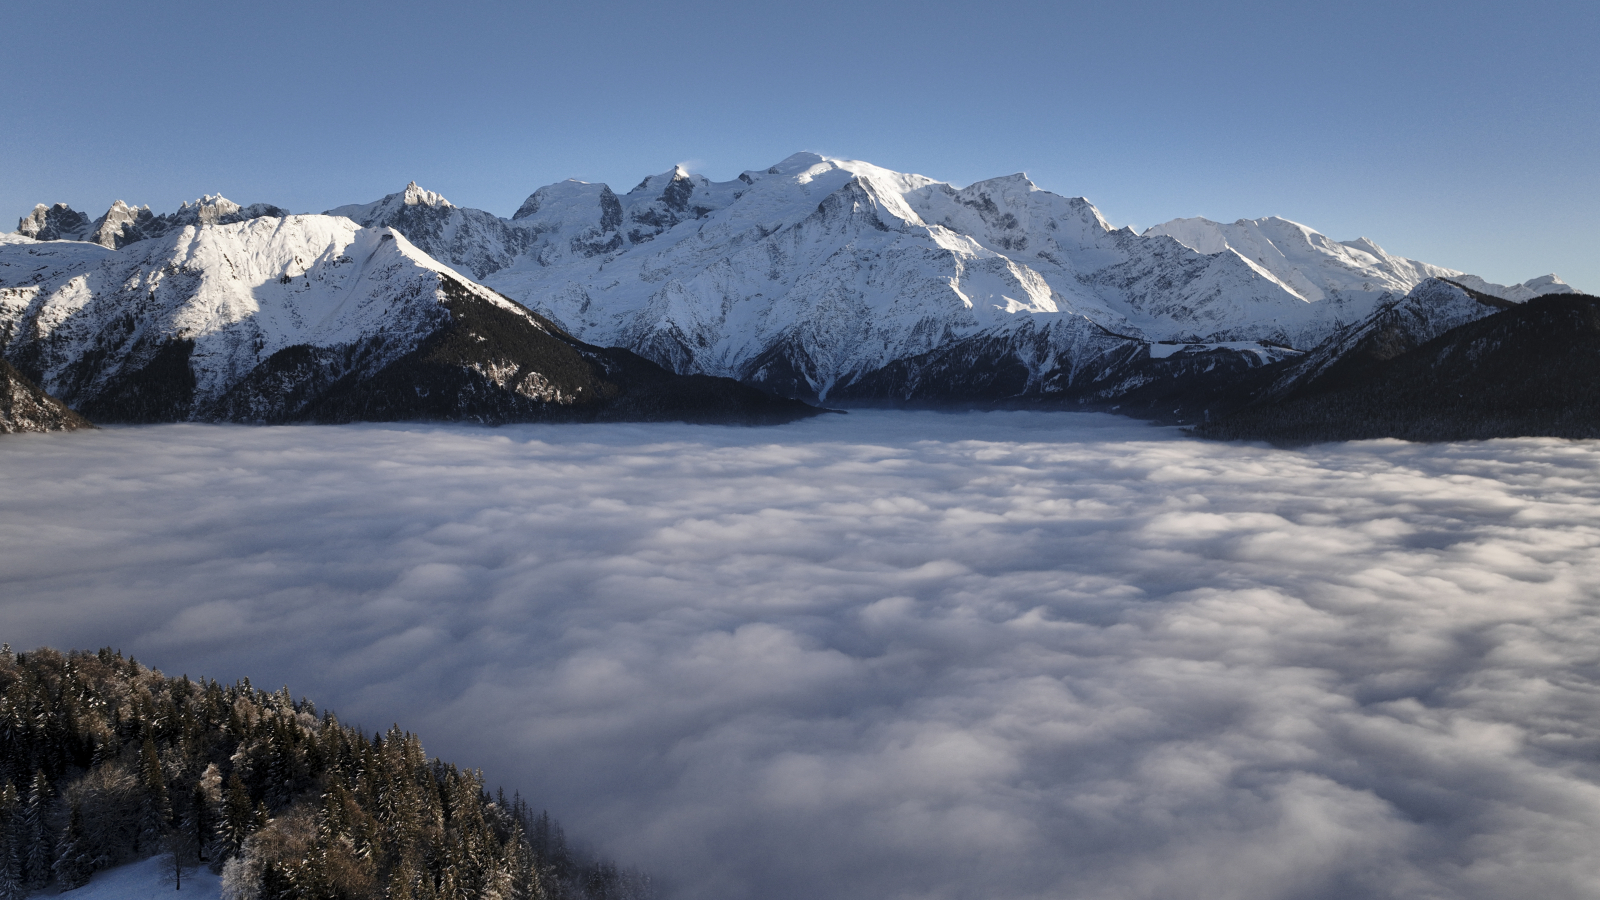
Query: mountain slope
point(1398, 325)
point(309, 318)
point(1531, 369)
point(23, 407)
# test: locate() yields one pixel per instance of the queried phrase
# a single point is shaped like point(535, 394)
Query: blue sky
point(1463, 133)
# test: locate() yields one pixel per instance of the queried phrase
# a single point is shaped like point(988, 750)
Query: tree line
point(104, 761)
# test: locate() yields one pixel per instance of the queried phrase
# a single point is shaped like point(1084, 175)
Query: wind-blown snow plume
point(893, 655)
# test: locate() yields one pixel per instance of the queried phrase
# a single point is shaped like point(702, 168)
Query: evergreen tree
point(238, 816)
point(40, 856)
point(72, 866)
point(155, 809)
point(11, 841)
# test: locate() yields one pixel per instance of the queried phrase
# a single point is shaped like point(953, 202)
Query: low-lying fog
point(888, 655)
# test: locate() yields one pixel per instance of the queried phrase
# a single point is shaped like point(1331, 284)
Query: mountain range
point(813, 281)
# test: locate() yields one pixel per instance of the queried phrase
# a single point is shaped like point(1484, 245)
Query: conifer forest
point(104, 761)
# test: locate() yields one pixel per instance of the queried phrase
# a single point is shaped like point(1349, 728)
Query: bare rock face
point(123, 224)
point(24, 407)
point(54, 223)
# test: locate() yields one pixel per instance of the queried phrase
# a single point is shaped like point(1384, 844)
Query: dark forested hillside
point(104, 761)
point(1530, 370)
point(24, 407)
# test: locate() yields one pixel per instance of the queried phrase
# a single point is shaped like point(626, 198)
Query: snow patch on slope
point(148, 879)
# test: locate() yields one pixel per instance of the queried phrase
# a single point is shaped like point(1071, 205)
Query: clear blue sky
point(1461, 133)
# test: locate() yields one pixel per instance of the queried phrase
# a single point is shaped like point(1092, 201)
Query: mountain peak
point(1366, 245)
point(416, 196)
point(805, 159)
point(208, 200)
point(665, 180)
point(120, 225)
point(54, 223)
point(1020, 179)
point(800, 163)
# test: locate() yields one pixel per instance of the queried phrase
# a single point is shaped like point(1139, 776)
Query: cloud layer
point(889, 654)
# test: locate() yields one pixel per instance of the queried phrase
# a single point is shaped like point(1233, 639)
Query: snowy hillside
point(149, 879)
point(239, 293)
point(1315, 268)
point(277, 319)
point(24, 407)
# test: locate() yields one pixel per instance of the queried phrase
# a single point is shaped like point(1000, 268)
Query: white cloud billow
point(888, 654)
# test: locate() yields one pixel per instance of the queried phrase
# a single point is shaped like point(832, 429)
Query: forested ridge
point(1530, 370)
point(104, 761)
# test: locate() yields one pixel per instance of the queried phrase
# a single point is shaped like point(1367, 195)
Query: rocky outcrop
point(24, 407)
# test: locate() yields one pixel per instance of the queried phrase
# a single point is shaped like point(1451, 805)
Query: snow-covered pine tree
point(238, 817)
point(11, 840)
point(39, 860)
point(155, 807)
point(72, 865)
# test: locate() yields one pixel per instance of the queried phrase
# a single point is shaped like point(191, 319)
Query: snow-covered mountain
point(1315, 268)
point(279, 319)
point(817, 278)
point(471, 240)
point(234, 294)
point(811, 275)
point(1542, 286)
point(1305, 263)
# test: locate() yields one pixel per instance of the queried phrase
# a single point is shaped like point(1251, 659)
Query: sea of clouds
point(892, 655)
